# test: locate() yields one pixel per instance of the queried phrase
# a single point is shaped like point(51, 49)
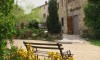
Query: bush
point(92, 17)
point(24, 33)
point(9, 54)
point(36, 31)
point(20, 54)
point(39, 34)
point(7, 25)
point(28, 33)
point(33, 24)
point(54, 37)
point(88, 33)
point(46, 36)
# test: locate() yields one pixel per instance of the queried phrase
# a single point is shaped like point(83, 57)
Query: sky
point(27, 5)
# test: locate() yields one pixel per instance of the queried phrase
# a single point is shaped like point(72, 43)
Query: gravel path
point(81, 51)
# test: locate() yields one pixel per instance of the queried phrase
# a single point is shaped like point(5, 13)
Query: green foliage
point(13, 53)
point(2, 49)
point(5, 7)
point(54, 37)
point(21, 17)
point(24, 33)
point(92, 17)
point(28, 33)
point(36, 14)
point(53, 24)
point(9, 54)
point(5, 52)
point(95, 41)
point(7, 25)
point(33, 24)
point(7, 29)
point(7, 20)
point(94, 1)
point(36, 31)
point(18, 12)
point(38, 34)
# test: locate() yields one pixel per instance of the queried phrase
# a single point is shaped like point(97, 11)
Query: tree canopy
point(53, 24)
point(92, 16)
point(6, 19)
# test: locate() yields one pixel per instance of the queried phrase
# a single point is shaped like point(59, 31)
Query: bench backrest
point(56, 46)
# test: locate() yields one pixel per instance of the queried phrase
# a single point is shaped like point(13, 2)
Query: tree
point(6, 19)
point(33, 24)
point(93, 1)
point(18, 13)
point(7, 25)
point(92, 17)
point(35, 14)
point(53, 24)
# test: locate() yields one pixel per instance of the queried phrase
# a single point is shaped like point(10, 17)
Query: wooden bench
point(56, 46)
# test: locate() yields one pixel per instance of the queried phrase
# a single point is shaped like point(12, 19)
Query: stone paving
point(71, 39)
point(81, 49)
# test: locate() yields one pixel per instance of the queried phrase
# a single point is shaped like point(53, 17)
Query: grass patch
point(95, 42)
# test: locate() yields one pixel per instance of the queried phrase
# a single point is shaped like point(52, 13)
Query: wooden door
point(69, 25)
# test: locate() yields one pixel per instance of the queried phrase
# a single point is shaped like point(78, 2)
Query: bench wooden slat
point(39, 51)
point(46, 47)
point(52, 44)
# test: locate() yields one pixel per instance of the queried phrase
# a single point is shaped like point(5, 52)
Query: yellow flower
point(71, 58)
point(29, 47)
point(29, 55)
point(44, 58)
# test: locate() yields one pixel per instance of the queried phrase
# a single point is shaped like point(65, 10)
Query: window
point(62, 21)
point(44, 15)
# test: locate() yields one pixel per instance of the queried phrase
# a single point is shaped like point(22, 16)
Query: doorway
point(69, 25)
point(75, 24)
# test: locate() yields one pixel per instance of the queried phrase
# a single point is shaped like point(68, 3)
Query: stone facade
point(62, 12)
point(76, 8)
point(44, 11)
point(67, 8)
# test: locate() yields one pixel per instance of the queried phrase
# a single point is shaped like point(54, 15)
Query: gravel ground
point(81, 51)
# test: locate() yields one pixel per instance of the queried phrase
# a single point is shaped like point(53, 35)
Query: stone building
point(75, 16)
point(71, 15)
point(62, 12)
point(44, 11)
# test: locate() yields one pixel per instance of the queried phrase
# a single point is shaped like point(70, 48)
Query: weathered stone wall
point(44, 10)
point(63, 14)
point(76, 7)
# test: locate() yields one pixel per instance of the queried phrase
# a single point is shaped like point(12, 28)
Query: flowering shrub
point(29, 55)
point(22, 54)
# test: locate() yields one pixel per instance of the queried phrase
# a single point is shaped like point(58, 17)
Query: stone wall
point(44, 11)
point(62, 12)
point(76, 7)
